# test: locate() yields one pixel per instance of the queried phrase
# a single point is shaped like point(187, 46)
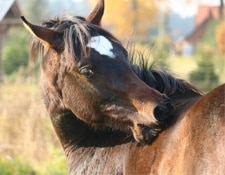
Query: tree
point(204, 77)
point(15, 52)
point(124, 17)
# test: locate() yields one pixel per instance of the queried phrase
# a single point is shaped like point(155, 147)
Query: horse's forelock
point(76, 36)
point(75, 39)
point(77, 33)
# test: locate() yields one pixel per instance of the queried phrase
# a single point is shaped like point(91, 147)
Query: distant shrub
point(204, 77)
point(15, 52)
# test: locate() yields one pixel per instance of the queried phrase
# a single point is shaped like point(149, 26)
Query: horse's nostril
point(160, 112)
point(164, 113)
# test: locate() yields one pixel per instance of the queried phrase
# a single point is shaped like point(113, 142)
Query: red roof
point(203, 12)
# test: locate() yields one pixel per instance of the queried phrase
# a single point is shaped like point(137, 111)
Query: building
point(204, 15)
point(204, 11)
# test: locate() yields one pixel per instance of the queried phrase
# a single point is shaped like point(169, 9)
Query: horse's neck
point(67, 127)
point(73, 132)
point(90, 151)
point(98, 160)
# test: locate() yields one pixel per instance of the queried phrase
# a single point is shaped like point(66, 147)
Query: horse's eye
point(87, 72)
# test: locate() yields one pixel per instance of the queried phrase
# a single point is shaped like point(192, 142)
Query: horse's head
point(85, 70)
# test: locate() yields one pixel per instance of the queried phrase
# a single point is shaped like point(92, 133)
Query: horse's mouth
point(144, 134)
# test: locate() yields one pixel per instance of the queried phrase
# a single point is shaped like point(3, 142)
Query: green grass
point(16, 166)
point(53, 165)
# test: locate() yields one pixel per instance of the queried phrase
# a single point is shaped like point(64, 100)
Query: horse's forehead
point(102, 45)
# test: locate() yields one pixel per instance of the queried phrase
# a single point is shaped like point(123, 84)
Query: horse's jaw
point(74, 133)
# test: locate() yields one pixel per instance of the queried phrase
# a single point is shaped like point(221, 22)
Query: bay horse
point(114, 117)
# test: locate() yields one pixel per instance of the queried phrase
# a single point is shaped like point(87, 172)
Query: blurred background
point(186, 37)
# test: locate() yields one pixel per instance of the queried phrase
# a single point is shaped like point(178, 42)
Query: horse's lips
point(145, 134)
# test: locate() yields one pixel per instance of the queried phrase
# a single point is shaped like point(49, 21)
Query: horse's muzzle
point(164, 114)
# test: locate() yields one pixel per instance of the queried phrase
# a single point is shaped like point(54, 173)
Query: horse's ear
point(96, 15)
point(49, 38)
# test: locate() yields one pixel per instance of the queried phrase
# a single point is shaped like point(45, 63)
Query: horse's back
point(204, 128)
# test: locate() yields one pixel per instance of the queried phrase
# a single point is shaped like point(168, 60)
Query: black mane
point(163, 81)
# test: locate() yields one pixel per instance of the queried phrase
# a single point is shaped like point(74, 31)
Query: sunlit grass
point(15, 166)
point(27, 138)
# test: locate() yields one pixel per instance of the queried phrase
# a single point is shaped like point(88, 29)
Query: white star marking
point(102, 45)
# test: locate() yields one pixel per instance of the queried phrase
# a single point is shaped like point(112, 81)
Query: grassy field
point(28, 144)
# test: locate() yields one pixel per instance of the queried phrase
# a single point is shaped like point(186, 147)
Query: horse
point(115, 117)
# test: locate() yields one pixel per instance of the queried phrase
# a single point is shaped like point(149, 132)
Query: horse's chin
point(145, 134)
